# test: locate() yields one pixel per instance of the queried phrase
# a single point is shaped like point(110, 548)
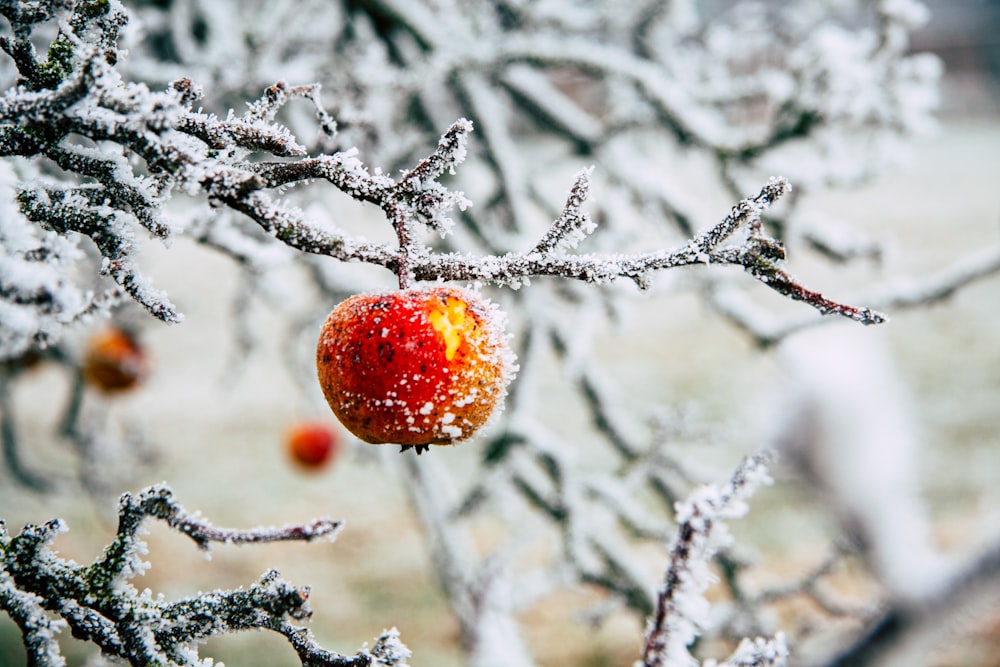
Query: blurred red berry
point(115, 361)
point(312, 445)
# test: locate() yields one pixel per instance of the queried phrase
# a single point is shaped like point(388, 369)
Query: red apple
point(415, 367)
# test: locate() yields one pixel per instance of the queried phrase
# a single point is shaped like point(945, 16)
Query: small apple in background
point(312, 445)
point(114, 361)
point(414, 367)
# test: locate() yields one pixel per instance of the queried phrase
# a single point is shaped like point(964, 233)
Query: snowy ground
point(218, 436)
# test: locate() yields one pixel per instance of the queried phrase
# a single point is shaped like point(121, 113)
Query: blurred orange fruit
point(115, 361)
point(312, 445)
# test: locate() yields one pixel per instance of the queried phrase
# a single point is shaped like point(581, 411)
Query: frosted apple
point(415, 367)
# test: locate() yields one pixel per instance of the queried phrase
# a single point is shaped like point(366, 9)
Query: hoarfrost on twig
point(98, 603)
point(97, 123)
point(680, 613)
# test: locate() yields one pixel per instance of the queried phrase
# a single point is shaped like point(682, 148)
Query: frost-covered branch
point(681, 608)
point(906, 629)
point(900, 294)
point(158, 502)
point(810, 585)
point(758, 255)
point(479, 590)
point(942, 284)
point(76, 110)
point(43, 593)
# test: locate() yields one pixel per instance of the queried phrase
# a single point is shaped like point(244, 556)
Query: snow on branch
point(898, 295)
point(573, 224)
point(158, 502)
point(758, 255)
point(74, 109)
point(44, 593)
point(681, 608)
